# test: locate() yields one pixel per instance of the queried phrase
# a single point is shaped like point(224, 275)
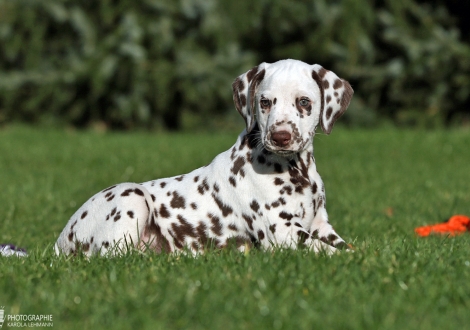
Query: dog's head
point(288, 99)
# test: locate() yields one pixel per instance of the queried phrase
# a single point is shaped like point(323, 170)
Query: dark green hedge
point(143, 63)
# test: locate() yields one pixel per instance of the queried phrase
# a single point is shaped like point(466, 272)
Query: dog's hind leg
point(111, 221)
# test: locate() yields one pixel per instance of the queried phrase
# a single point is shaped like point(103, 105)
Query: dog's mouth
point(282, 152)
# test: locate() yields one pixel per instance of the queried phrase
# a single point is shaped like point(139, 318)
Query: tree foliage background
point(149, 63)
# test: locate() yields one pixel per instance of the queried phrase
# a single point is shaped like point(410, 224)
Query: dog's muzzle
point(278, 142)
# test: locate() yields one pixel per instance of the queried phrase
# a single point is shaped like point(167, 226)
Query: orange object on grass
point(456, 225)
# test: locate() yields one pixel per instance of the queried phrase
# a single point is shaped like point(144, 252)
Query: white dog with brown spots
point(264, 191)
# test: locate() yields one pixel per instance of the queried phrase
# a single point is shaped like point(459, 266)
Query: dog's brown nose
point(281, 138)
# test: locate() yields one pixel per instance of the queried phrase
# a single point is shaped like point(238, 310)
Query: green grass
point(380, 185)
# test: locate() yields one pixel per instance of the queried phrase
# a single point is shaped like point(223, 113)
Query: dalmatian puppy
point(264, 191)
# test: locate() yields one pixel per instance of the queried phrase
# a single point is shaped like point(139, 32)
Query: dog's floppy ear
point(244, 89)
point(336, 94)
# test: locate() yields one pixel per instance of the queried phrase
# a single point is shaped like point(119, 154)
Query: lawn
point(380, 185)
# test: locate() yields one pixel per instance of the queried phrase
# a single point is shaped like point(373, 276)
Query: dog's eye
point(265, 102)
point(304, 102)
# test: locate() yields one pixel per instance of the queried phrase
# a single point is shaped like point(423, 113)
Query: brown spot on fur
point(337, 84)
point(286, 189)
point(329, 111)
point(260, 235)
point(278, 181)
point(236, 94)
point(193, 206)
point(314, 188)
point(254, 86)
point(254, 206)
point(109, 188)
point(162, 184)
point(332, 237)
point(183, 229)
point(164, 211)
point(248, 220)
point(216, 224)
point(243, 100)
point(322, 72)
point(250, 74)
point(232, 181)
point(237, 165)
point(299, 176)
point(249, 157)
point(177, 202)
point(126, 192)
point(226, 210)
point(109, 197)
point(201, 231)
point(130, 214)
point(315, 234)
point(177, 242)
point(239, 84)
point(318, 79)
point(286, 216)
point(180, 178)
point(203, 187)
point(272, 228)
point(84, 214)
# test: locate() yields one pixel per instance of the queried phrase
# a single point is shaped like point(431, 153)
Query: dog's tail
point(8, 250)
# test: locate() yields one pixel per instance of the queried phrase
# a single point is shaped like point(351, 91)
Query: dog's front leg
point(322, 230)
